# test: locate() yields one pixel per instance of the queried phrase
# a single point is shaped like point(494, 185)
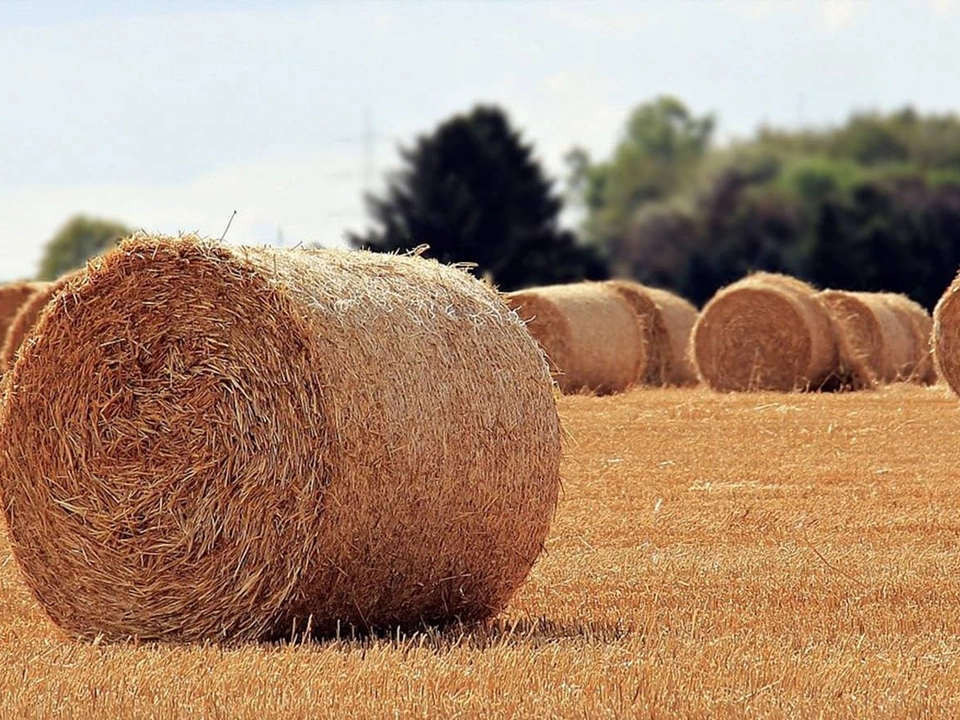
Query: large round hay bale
point(667, 320)
point(873, 331)
point(916, 320)
point(26, 318)
point(12, 298)
point(590, 335)
point(247, 441)
point(765, 332)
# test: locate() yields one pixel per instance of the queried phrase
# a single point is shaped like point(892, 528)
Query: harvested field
point(721, 555)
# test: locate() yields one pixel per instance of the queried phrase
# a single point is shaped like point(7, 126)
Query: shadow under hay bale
point(771, 332)
point(667, 322)
point(589, 333)
point(27, 317)
point(252, 441)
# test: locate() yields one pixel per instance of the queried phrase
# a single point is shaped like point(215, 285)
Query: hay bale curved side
point(667, 322)
point(251, 439)
point(27, 317)
point(920, 366)
point(679, 316)
point(548, 326)
point(765, 332)
point(946, 335)
point(12, 297)
point(588, 331)
point(872, 330)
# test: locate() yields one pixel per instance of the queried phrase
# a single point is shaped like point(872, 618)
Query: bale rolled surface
point(27, 316)
point(12, 298)
point(589, 333)
point(946, 336)
point(766, 332)
point(875, 332)
point(667, 321)
point(914, 317)
point(252, 441)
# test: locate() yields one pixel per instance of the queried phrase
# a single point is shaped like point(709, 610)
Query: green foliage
point(80, 239)
point(657, 157)
point(871, 205)
point(473, 191)
point(813, 179)
point(885, 236)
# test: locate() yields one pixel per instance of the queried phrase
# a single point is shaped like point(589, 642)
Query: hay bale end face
point(591, 337)
point(765, 332)
point(251, 440)
point(27, 316)
point(667, 321)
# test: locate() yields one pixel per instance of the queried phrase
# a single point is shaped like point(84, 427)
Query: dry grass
point(744, 555)
point(209, 443)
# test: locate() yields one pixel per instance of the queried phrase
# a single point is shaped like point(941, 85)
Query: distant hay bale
point(12, 298)
point(249, 441)
point(914, 317)
point(946, 335)
point(771, 332)
point(590, 335)
point(874, 332)
point(26, 317)
point(667, 321)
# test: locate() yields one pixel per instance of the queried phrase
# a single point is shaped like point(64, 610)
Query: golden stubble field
point(752, 555)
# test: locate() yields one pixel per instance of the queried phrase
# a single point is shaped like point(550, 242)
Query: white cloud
point(618, 20)
point(838, 14)
point(944, 7)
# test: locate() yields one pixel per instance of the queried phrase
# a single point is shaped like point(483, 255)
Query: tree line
point(873, 204)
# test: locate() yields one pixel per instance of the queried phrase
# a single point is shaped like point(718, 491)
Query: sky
point(169, 115)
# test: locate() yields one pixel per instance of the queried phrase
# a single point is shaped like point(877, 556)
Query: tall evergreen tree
point(473, 191)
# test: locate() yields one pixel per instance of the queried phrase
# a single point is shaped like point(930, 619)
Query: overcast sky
point(169, 115)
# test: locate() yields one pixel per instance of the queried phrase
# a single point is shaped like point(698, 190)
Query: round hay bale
point(918, 324)
point(12, 298)
point(590, 335)
point(26, 318)
point(873, 331)
point(667, 320)
point(252, 441)
point(765, 332)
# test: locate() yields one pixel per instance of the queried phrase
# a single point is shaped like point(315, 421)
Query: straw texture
point(770, 332)
point(874, 332)
point(667, 320)
point(916, 320)
point(12, 298)
point(946, 335)
point(247, 442)
point(27, 316)
point(587, 330)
